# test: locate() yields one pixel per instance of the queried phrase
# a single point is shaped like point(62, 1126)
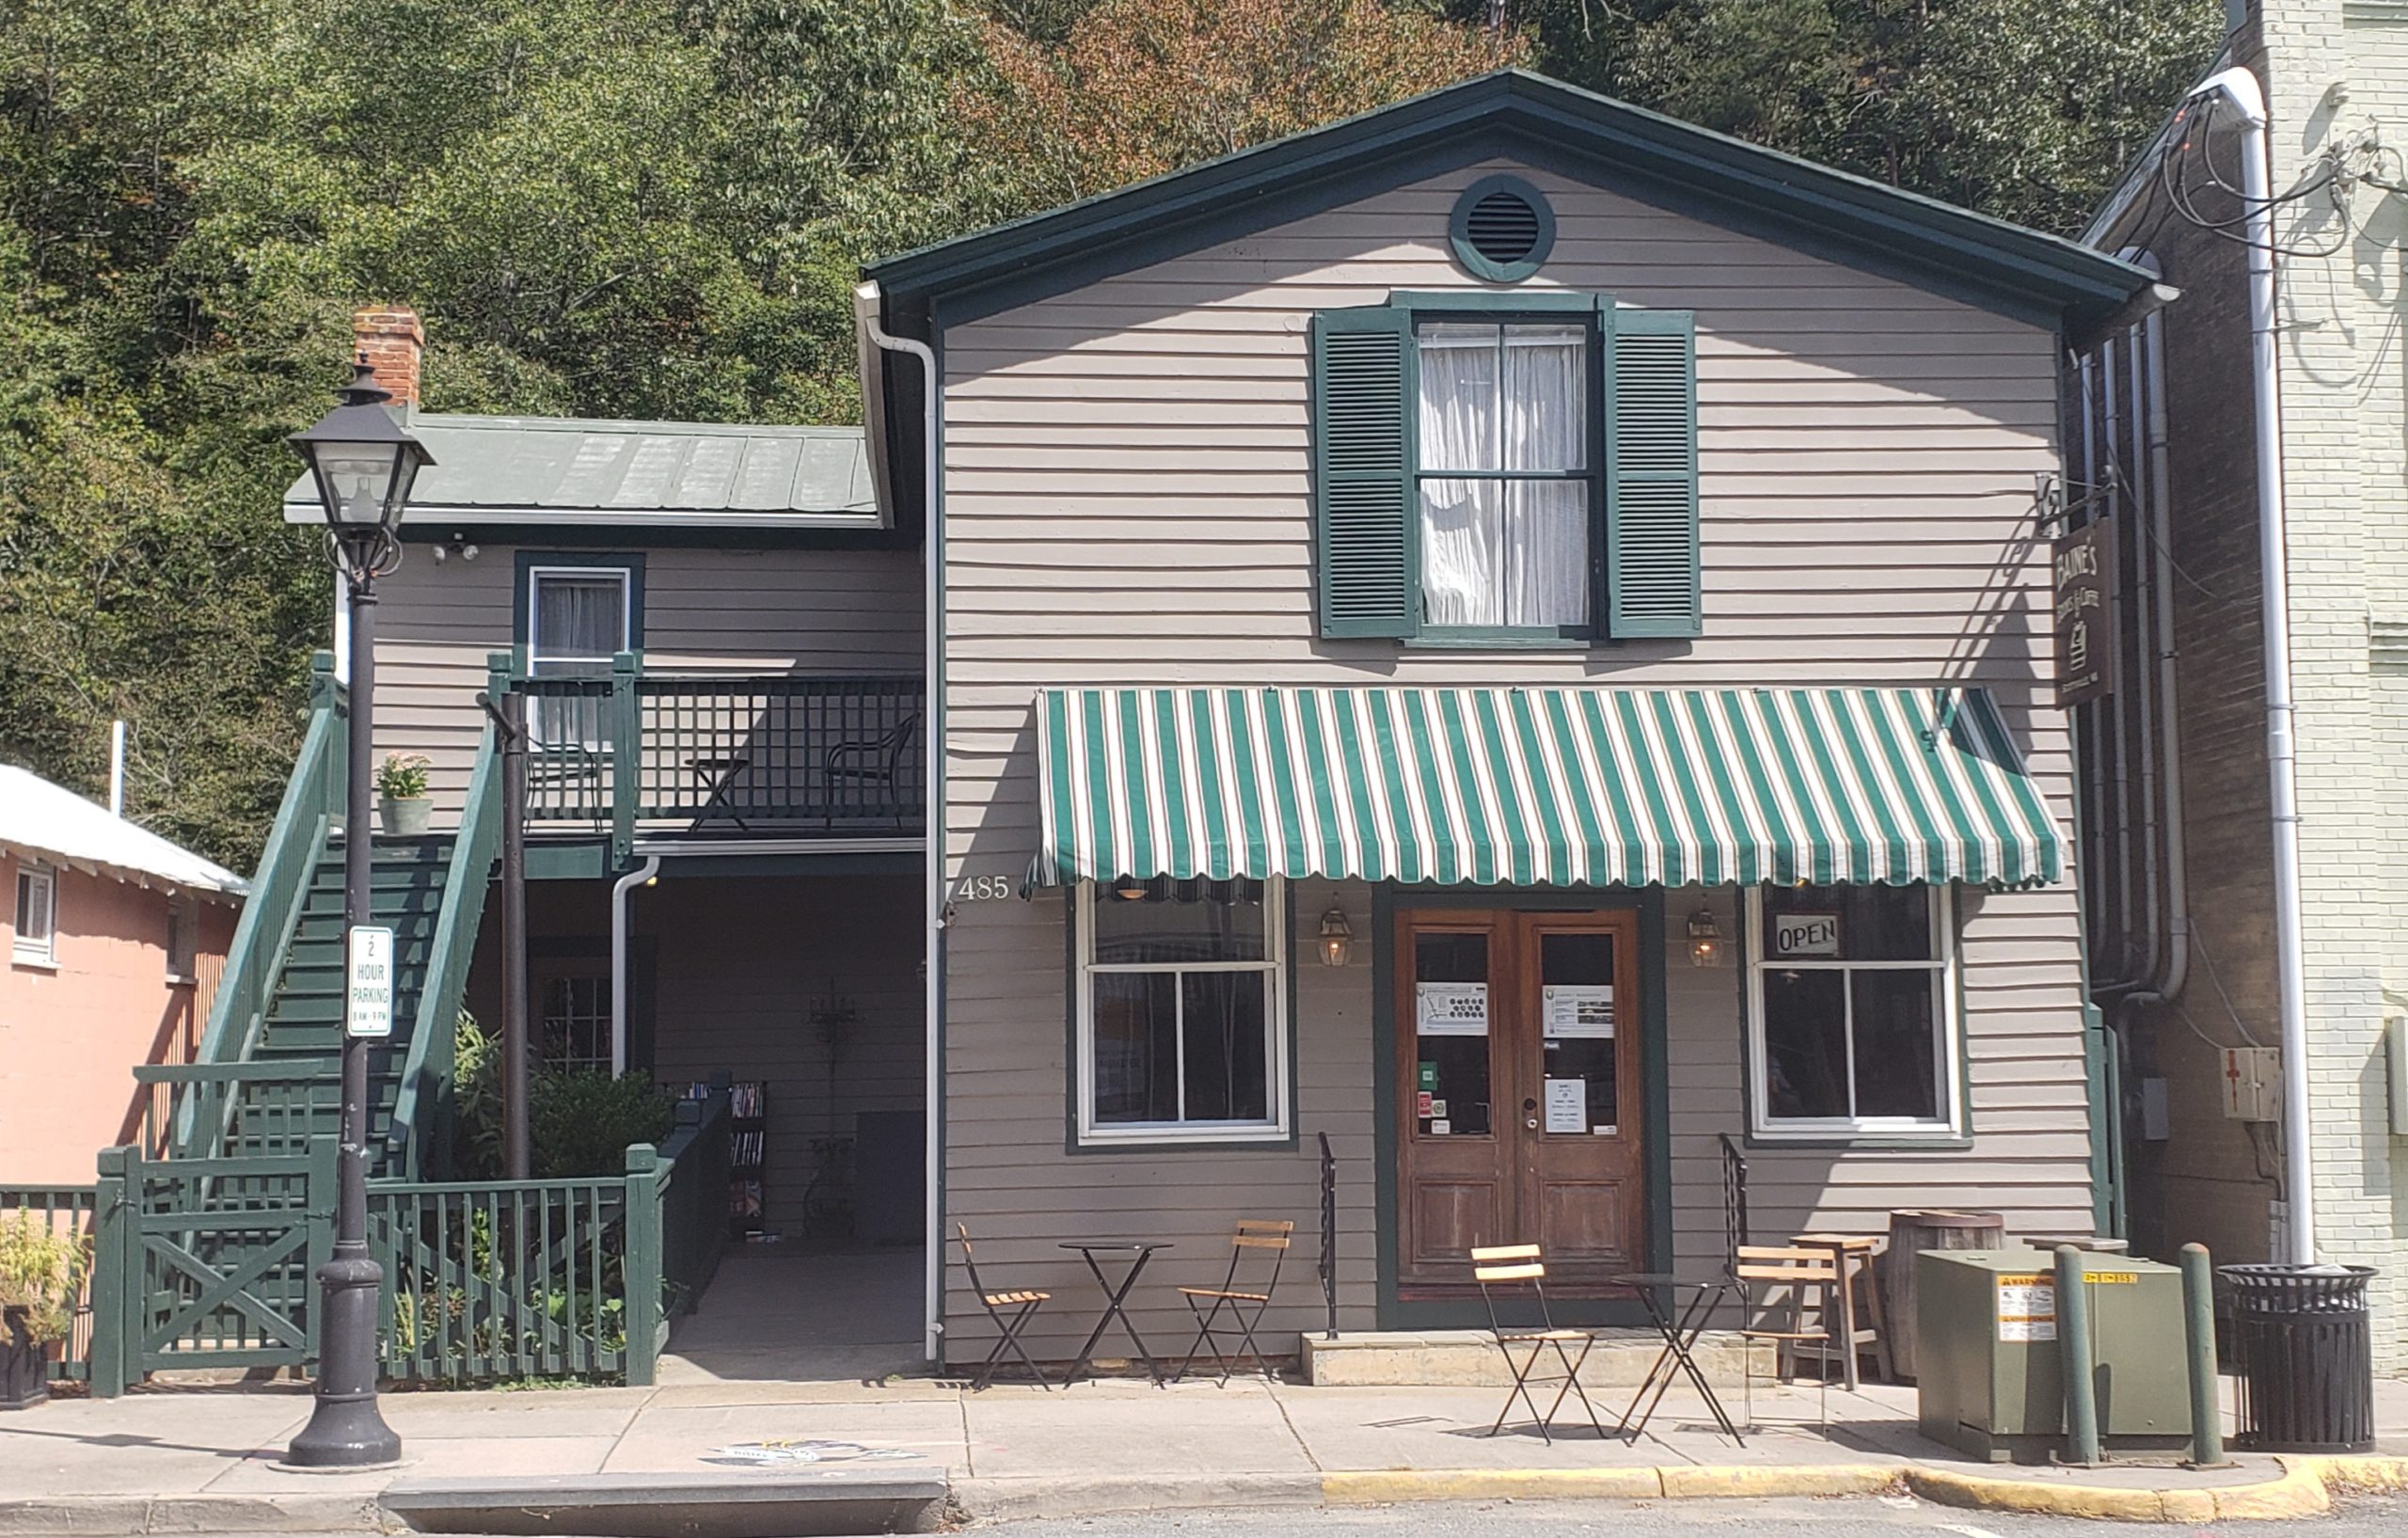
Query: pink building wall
point(71, 1033)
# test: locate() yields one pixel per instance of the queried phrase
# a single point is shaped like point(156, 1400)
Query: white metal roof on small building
point(578, 472)
point(53, 824)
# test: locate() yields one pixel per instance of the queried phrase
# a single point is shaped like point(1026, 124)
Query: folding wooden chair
point(1510, 1269)
point(1800, 1271)
point(1246, 1309)
point(1022, 1306)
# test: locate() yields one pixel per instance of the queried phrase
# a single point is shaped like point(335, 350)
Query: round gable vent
point(1501, 229)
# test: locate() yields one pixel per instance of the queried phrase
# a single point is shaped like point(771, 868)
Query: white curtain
point(580, 621)
point(1507, 551)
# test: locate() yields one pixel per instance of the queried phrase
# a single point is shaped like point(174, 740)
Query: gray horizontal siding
point(735, 611)
point(1124, 475)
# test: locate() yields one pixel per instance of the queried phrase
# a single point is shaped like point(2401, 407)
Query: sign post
point(367, 993)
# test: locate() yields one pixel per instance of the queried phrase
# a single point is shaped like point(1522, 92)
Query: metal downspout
point(867, 304)
point(2290, 961)
point(642, 876)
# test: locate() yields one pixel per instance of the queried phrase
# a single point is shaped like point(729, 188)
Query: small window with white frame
point(183, 923)
point(37, 932)
point(1181, 1013)
point(579, 618)
point(1852, 1012)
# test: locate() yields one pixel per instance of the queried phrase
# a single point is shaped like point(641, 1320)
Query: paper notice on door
point(2027, 1307)
point(1567, 1105)
point(1451, 1008)
point(1578, 1009)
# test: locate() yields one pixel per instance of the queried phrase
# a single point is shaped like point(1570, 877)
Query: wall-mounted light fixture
point(1128, 889)
point(1705, 939)
point(1337, 939)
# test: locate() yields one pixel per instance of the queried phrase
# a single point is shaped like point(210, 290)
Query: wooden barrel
point(1913, 1230)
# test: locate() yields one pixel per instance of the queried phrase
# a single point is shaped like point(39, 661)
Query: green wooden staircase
point(278, 1011)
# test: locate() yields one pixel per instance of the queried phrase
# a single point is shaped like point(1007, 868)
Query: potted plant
point(402, 783)
point(42, 1275)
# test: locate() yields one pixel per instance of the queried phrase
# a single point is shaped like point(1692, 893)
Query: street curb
point(1005, 1499)
point(2305, 1489)
point(126, 1516)
point(1678, 1481)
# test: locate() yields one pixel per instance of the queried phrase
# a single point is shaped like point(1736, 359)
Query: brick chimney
point(390, 339)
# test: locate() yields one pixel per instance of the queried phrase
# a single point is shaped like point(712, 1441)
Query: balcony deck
point(714, 756)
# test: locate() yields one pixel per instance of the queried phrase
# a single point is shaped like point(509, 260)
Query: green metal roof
point(1537, 786)
point(1544, 122)
point(532, 471)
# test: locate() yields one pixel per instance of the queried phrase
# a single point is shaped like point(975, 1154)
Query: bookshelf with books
point(748, 1148)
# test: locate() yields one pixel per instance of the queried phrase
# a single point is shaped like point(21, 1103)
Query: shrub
point(41, 1273)
point(581, 1123)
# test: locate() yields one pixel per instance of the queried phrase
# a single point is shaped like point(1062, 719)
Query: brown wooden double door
point(1517, 1069)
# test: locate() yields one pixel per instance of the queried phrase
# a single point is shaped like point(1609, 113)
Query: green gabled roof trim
point(1988, 262)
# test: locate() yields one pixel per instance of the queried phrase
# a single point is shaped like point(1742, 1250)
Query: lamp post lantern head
point(363, 461)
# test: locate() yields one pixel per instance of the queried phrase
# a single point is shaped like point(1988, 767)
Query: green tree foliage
point(2027, 109)
point(657, 208)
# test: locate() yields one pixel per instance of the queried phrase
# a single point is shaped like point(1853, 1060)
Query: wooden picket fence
point(211, 1262)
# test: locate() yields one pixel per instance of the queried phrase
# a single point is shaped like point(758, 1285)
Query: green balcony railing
point(725, 754)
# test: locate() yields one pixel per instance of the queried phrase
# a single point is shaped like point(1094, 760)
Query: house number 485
point(982, 888)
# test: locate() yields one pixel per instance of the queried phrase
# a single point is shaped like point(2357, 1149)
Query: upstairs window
point(573, 618)
point(1505, 470)
point(184, 921)
point(36, 937)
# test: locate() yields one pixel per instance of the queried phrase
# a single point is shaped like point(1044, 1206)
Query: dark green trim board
point(932, 745)
point(1388, 900)
point(526, 561)
point(1366, 512)
point(1653, 585)
point(2024, 273)
point(585, 536)
point(1466, 241)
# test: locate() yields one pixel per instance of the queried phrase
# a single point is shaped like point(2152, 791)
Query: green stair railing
point(311, 808)
point(418, 1136)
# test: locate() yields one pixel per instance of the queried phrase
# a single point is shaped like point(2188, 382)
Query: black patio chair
point(1245, 1306)
point(1511, 1270)
point(1011, 1312)
point(868, 761)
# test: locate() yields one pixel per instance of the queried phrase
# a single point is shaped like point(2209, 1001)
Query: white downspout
point(2299, 1184)
point(866, 303)
point(642, 876)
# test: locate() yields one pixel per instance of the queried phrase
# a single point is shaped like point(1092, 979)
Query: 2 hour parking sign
point(368, 970)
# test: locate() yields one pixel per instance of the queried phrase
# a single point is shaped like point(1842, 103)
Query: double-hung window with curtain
point(1493, 470)
point(578, 619)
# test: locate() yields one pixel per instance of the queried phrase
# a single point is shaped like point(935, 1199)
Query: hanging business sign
point(368, 1006)
point(2085, 563)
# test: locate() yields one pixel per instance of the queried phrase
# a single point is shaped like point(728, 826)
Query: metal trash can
point(2305, 1352)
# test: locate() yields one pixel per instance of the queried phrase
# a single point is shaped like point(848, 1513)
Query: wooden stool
point(1849, 1252)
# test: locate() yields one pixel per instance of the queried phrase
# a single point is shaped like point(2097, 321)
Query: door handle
point(1530, 1122)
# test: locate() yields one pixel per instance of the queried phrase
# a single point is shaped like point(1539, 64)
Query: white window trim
point(1276, 1025)
point(42, 952)
point(624, 576)
point(1947, 1057)
point(189, 910)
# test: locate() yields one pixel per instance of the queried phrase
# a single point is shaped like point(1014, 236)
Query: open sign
point(1805, 935)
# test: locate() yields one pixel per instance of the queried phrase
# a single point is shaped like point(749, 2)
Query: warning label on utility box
point(2027, 1307)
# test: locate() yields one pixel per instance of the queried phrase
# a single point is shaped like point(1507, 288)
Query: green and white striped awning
point(1528, 787)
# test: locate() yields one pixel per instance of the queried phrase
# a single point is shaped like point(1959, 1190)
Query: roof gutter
point(2241, 87)
point(867, 303)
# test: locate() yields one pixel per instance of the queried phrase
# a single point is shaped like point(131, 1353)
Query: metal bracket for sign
point(368, 982)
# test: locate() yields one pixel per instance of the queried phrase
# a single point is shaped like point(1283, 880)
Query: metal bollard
point(2200, 1338)
point(2073, 1350)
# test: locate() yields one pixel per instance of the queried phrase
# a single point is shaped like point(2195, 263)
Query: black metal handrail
point(1734, 1201)
point(725, 753)
point(1329, 1235)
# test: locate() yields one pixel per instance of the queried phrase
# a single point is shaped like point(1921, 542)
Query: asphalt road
point(1898, 1517)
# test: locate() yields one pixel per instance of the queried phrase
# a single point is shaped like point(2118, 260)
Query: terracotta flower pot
point(24, 1364)
point(406, 818)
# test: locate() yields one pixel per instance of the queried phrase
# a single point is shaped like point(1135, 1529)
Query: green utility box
point(1991, 1381)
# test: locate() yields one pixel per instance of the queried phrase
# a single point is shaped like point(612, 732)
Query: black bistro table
point(1680, 1325)
point(1138, 1252)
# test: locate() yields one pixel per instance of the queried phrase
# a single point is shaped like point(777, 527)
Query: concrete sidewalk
point(163, 1461)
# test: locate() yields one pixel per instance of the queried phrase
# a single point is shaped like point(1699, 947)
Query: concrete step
point(1469, 1359)
point(804, 1504)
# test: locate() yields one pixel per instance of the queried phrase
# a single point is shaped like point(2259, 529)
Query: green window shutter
point(1362, 480)
point(1651, 475)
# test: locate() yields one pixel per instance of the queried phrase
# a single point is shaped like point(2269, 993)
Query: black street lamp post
point(363, 460)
